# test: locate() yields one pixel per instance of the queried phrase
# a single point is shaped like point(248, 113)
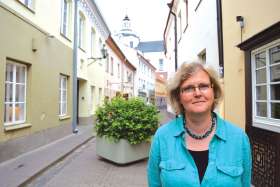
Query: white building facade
point(91, 58)
point(197, 38)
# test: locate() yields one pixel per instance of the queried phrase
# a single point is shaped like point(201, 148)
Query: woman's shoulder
point(231, 128)
point(170, 128)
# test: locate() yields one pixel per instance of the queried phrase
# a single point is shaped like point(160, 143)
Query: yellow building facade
point(36, 77)
point(251, 44)
point(257, 17)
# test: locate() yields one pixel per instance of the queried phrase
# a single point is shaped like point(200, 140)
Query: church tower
point(126, 35)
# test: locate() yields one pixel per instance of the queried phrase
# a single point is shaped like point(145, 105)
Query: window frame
point(107, 64)
point(14, 83)
point(92, 98)
point(66, 19)
point(99, 96)
point(82, 31)
point(92, 41)
point(119, 70)
point(61, 89)
point(112, 66)
point(161, 68)
point(29, 4)
point(267, 123)
point(180, 25)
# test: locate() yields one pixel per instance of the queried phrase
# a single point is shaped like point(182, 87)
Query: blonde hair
point(185, 71)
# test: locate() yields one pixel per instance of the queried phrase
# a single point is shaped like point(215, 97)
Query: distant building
point(154, 51)
point(144, 79)
point(120, 73)
point(160, 91)
point(127, 35)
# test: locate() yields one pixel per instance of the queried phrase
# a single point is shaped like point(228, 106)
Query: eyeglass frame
point(190, 89)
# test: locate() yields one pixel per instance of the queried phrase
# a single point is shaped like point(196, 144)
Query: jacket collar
point(179, 129)
point(220, 129)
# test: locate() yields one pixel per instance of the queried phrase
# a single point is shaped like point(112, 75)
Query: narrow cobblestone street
point(84, 168)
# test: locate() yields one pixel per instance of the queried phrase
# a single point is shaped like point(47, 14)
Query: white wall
point(201, 33)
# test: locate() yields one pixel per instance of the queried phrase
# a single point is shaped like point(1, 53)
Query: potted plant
point(124, 128)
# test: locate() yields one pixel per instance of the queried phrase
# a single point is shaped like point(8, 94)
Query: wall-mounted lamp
point(34, 43)
point(104, 54)
point(240, 20)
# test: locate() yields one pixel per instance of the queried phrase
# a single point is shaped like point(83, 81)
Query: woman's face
point(196, 93)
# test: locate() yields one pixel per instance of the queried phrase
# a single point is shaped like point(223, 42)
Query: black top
point(201, 161)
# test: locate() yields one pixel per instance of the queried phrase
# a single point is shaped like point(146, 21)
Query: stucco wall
point(200, 34)
point(258, 15)
point(51, 59)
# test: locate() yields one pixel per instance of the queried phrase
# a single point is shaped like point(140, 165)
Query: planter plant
point(124, 129)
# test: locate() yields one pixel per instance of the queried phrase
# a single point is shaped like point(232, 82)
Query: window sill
point(267, 126)
point(28, 8)
point(64, 117)
point(82, 49)
point(17, 126)
point(65, 37)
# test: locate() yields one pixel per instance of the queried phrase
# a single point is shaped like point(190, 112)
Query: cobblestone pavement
point(83, 168)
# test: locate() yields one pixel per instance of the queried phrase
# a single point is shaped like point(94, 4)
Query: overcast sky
point(148, 17)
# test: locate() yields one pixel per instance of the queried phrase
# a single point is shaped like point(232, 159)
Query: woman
point(198, 148)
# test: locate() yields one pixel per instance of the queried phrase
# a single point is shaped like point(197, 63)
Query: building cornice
point(91, 10)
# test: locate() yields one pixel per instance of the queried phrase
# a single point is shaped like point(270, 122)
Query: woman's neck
point(198, 124)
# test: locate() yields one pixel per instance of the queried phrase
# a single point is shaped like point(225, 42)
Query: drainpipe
point(220, 45)
point(175, 34)
point(175, 38)
point(74, 81)
point(220, 37)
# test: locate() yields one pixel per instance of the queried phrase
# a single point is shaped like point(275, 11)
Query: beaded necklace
point(202, 136)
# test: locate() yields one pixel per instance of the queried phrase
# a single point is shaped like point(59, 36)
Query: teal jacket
point(171, 165)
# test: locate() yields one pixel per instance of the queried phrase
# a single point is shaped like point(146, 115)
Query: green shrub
point(130, 119)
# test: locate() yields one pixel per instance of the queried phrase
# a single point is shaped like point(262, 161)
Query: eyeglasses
point(191, 88)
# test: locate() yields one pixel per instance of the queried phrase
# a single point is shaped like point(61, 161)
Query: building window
point(107, 65)
point(186, 14)
point(131, 44)
point(62, 95)
point(100, 46)
point(112, 66)
point(91, 104)
point(160, 64)
point(15, 93)
point(82, 31)
point(180, 24)
point(66, 18)
point(28, 3)
point(266, 84)
point(202, 56)
point(92, 42)
point(99, 96)
point(119, 71)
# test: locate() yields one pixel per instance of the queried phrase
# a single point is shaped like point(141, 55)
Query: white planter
point(121, 152)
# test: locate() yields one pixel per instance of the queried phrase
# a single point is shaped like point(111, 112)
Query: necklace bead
point(202, 136)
